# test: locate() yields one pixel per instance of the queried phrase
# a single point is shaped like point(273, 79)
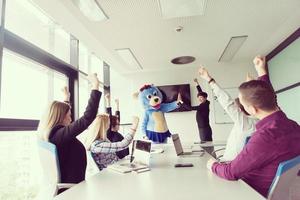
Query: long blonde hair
point(96, 131)
point(55, 115)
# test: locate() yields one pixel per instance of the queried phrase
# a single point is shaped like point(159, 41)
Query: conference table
point(162, 182)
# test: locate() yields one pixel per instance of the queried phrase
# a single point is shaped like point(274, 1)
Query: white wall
point(184, 123)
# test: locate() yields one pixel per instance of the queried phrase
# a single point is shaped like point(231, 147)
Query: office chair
point(92, 167)
point(50, 164)
point(287, 181)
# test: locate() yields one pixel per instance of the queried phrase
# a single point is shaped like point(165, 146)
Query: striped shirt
point(104, 152)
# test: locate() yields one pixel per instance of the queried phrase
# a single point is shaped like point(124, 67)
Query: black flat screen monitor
point(170, 93)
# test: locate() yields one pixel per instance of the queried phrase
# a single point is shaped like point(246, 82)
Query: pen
point(132, 150)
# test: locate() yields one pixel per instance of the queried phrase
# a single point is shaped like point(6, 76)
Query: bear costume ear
point(135, 95)
point(145, 87)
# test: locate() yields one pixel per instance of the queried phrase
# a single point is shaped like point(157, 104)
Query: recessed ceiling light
point(181, 8)
point(232, 48)
point(129, 58)
point(183, 60)
point(91, 9)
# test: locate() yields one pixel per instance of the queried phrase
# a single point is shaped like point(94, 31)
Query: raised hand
point(135, 95)
point(196, 81)
point(204, 73)
point(94, 81)
point(179, 98)
point(107, 96)
point(107, 100)
point(66, 94)
point(260, 65)
point(135, 123)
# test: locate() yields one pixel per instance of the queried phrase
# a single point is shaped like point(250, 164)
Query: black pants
point(205, 133)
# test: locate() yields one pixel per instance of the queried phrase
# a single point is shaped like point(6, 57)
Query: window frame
point(294, 36)
point(18, 45)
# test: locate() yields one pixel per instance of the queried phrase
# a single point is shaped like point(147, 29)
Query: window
point(289, 103)
point(20, 167)
point(285, 62)
point(24, 88)
point(84, 95)
point(43, 32)
point(61, 47)
point(96, 67)
point(83, 58)
point(27, 87)
point(59, 82)
point(88, 63)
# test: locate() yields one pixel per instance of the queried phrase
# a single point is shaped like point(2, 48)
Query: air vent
point(232, 48)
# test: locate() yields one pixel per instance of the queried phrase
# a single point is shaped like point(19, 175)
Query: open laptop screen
point(142, 151)
point(177, 144)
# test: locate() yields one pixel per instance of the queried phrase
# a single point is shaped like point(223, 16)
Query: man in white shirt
point(243, 125)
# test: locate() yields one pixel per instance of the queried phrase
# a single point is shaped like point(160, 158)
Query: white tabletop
point(163, 182)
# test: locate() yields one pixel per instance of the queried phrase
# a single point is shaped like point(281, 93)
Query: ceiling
point(139, 25)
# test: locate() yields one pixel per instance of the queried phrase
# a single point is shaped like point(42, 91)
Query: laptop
point(139, 158)
point(179, 150)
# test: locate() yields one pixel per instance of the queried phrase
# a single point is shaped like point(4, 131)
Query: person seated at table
point(103, 150)
point(58, 128)
point(275, 140)
point(113, 132)
point(244, 125)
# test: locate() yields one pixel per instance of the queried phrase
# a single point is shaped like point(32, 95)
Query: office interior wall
point(183, 123)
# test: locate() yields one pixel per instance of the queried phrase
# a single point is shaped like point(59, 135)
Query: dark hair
point(238, 103)
point(259, 94)
point(203, 94)
point(114, 121)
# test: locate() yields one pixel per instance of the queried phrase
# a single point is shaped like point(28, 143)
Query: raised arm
point(197, 85)
point(78, 126)
point(108, 147)
point(167, 107)
point(108, 109)
point(223, 97)
point(66, 95)
point(117, 112)
point(111, 147)
point(261, 69)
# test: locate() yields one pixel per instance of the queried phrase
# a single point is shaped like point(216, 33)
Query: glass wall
point(43, 31)
point(21, 171)
point(27, 87)
point(284, 73)
point(88, 63)
point(29, 82)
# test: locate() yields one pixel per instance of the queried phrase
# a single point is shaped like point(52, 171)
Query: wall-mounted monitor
point(170, 93)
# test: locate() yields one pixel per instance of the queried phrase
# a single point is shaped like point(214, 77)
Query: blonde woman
point(103, 150)
point(59, 129)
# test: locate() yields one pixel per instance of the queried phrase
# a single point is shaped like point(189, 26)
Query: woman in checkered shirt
point(103, 150)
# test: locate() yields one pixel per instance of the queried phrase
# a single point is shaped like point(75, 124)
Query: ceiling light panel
point(129, 58)
point(91, 9)
point(232, 48)
point(182, 8)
